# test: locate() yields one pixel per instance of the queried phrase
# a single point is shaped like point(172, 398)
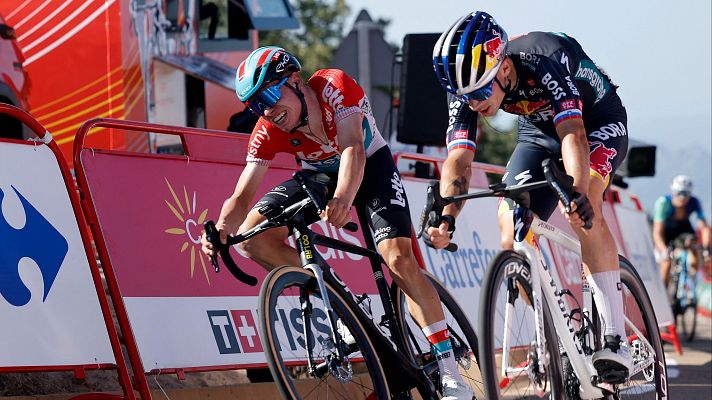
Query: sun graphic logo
point(191, 227)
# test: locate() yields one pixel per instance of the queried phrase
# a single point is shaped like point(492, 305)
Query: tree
point(321, 31)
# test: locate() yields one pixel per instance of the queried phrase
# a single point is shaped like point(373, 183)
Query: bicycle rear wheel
point(462, 335)
point(506, 312)
point(648, 380)
point(286, 294)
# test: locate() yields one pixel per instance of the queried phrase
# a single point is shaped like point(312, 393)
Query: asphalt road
point(690, 374)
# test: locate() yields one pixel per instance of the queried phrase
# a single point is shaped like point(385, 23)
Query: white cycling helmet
point(681, 183)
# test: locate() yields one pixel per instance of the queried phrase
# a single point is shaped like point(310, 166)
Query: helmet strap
point(504, 89)
point(304, 117)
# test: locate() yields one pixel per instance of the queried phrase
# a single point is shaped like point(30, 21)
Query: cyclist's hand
point(337, 212)
point(581, 215)
point(206, 246)
point(438, 237)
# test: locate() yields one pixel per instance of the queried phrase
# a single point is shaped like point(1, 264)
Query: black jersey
point(556, 81)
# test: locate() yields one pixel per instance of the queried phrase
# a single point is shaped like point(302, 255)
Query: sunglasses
point(682, 194)
point(266, 98)
point(480, 94)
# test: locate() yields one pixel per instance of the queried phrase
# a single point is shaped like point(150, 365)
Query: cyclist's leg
point(665, 262)
point(524, 166)
point(269, 248)
point(383, 196)
point(608, 144)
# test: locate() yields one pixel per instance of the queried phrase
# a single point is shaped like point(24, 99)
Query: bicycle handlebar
point(276, 216)
point(556, 179)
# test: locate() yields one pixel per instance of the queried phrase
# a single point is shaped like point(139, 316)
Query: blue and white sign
point(48, 303)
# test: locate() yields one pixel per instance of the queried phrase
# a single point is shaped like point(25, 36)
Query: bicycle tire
point(688, 321)
point(463, 336)
point(509, 266)
point(277, 293)
point(643, 318)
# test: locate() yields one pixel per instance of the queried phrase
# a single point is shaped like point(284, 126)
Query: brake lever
point(213, 236)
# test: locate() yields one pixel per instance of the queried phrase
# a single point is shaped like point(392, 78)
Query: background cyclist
point(568, 108)
point(671, 220)
point(328, 125)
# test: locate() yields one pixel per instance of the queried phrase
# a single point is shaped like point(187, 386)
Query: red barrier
point(45, 138)
point(130, 199)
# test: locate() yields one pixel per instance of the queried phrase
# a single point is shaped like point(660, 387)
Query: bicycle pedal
point(607, 388)
point(610, 372)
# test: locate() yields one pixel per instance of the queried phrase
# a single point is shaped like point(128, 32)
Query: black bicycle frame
point(392, 352)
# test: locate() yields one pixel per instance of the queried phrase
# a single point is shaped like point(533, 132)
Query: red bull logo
point(600, 159)
point(524, 107)
point(494, 48)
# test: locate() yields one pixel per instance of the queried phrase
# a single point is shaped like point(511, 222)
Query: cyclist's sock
point(609, 301)
point(439, 338)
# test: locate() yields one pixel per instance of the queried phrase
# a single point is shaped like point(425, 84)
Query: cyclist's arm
point(234, 209)
point(574, 149)
point(455, 178)
point(659, 236)
point(659, 215)
point(353, 157)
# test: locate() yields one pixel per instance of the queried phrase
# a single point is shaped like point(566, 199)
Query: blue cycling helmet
point(468, 55)
point(263, 66)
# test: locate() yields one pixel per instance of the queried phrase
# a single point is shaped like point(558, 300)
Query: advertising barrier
point(52, 305)
point(148, 211)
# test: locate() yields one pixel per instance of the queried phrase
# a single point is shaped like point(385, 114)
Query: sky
point(659, 55)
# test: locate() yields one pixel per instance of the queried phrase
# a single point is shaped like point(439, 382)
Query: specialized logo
point(190, 229)
point(234, 331)
point(523, 177)
point(397, 185)
point(600, 159)
point(37, 240)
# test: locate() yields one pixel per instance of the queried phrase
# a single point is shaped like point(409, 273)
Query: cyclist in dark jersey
point(568, 108)
point(327, 124)
point(671, 221)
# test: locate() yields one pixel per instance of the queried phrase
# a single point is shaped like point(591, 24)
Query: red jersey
point(339, 96)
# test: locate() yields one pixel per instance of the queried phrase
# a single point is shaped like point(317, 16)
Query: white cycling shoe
point(614, 361)
point(456, 390)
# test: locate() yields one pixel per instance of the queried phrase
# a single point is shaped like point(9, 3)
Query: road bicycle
point(533, 342)
point(340, 350)
point(683, 288)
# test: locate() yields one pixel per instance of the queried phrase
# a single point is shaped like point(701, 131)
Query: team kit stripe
point(437, 337)
point(461, 144)
point(568, 114)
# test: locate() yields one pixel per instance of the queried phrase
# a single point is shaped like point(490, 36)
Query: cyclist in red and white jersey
point(327, 124)
point(568, 108)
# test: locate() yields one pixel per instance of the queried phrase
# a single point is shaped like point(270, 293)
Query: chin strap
point(504, 89)
point(304, 117)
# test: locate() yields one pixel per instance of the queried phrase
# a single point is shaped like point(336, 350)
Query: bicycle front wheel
point(289, 294)
point(462, 336)
point(648, 380)
point(510, 363)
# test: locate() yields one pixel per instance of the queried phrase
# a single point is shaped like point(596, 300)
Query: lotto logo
point(235, 331)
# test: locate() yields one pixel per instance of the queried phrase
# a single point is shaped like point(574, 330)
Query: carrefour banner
point(49, 308)
point(150, 211)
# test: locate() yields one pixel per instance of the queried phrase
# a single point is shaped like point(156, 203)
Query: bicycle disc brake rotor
point(341, 370)
point(641, 353)
point(535, 376)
